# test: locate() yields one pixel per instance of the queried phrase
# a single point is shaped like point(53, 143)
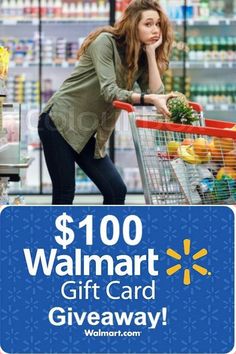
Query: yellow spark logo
point(187, 277)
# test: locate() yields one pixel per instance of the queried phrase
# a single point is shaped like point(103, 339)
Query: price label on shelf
point(213, 21)
point(209, 107)
point(9, 22)
point(190, 22)
point(224, 107)
point(232, 107)
point(64, 64)
point(35, 21)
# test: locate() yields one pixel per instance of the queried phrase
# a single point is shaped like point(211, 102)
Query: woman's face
point(149, 30)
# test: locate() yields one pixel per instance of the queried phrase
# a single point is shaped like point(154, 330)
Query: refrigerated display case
point(14, 160)
point(43, 41)
point(211, 64)
point(210, 55)
point(202, 66)
point(19, 33)
point(211, 59)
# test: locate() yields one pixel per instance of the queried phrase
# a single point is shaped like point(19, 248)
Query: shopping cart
point(183, 164)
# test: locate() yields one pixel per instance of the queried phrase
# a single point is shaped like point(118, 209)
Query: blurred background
point(43, 37)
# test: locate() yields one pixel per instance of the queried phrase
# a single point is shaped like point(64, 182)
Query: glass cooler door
point(13, 157)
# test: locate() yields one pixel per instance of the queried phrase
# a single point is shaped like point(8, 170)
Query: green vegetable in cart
point(180, 110)
point(221, 190)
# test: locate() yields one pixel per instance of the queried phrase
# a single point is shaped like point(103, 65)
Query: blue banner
point(117, 279)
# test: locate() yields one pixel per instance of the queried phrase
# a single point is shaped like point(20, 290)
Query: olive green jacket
point(83, 105)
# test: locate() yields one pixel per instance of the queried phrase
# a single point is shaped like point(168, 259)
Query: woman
point(79, 119)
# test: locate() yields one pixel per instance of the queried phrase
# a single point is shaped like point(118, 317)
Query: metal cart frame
point(139, 122)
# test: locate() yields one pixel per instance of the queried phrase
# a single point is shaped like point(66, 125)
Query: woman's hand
point(150, 48)
point(160, 102)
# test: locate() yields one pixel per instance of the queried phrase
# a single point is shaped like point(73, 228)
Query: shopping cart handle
point(123, 105)
point(196, 106)
point(129, 108)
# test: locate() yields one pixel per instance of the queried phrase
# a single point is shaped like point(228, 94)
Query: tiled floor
point(137, 199)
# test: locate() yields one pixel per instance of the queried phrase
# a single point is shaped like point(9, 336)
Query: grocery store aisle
point(136, 199)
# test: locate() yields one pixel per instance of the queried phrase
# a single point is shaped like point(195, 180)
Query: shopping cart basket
point(183, 164)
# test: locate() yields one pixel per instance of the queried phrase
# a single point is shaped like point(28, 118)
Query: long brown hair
point(125, 31)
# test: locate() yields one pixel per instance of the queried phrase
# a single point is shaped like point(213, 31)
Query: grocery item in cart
point(187, 153)
point(184, 164)
point(187, 185)
point(181, 111)
point(218, 182)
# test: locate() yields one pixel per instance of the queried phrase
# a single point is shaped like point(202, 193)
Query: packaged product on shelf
point(47, 48)
point(71, 51)
point(57, 9)
point(102, 11)
point(27, 8)
point(47, 90)
point(87, 10)
point(4, 62)
point(60, 54)
point(50, 12)
point(79, 9)
point(94, 9)
point(72, 10)
point(214, 93)
point(65, 10)
point(204, 9)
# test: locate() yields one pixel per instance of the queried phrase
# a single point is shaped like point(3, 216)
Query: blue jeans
point(60, 159)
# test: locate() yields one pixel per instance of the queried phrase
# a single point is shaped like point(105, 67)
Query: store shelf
point(61, 21)
point(14, 22)
point(220, 107)
point(26, 64)
point(200, 72)
point(99, 20)
point(212, 21)
point(26, 107)
point(211, 65)
point(204, 65)
point(124, 149)
point(89, 20)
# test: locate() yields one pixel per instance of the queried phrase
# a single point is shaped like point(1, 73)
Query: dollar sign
point(68, 235)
